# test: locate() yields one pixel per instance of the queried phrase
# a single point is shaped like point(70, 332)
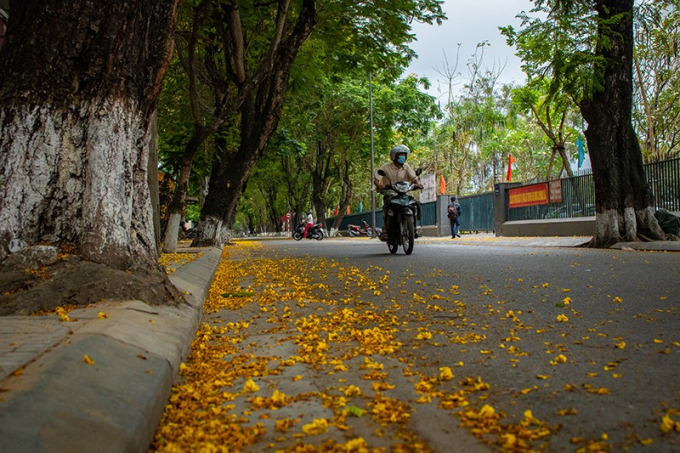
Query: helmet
point(309, 212)
point(399, 149)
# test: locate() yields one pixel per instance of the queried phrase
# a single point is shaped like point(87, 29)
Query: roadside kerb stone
point(59, 403)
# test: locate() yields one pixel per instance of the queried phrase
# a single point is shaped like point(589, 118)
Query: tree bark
point(228, 181)
point(320, 168)
point(345, 198)
point(176, 209)
point(623, 198)
point(78, 86)
point(259, 113)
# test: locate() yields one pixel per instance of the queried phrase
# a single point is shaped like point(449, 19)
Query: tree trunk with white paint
point(624, 202)
point(78, 86)
point(65, 183)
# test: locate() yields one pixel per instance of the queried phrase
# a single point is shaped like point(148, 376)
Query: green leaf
point(357, 412)
point(238, 294)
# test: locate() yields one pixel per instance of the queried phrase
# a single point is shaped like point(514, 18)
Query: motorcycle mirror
point(381, 172)
point(419, 171)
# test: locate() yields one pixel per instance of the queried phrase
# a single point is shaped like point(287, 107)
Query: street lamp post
point(370, 109)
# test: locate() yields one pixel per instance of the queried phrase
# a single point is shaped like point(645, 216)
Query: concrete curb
point(55, 402)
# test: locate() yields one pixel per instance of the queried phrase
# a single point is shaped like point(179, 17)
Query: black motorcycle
point(315, 232)
point(401, 212)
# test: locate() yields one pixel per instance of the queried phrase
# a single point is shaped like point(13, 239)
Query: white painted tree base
point(78, 176)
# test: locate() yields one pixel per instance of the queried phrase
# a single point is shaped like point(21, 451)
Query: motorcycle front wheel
point(297, 236)
point(393, 247)
point(408, 234)
point(319, 235)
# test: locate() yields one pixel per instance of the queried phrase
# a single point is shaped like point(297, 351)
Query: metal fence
point(578, 194)
point(578, 200)
point(477, 212)
point(664, 180)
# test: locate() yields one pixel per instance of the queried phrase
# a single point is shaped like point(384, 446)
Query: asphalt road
point(599, 368)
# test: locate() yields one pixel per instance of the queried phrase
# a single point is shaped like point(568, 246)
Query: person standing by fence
point(453, 212)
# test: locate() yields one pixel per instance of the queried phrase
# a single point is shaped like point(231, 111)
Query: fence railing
point(578, 200)
point(578, 194)
point(664, 180)
point(477, 212)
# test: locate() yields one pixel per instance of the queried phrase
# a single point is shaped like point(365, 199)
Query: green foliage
point(556, 43)
point(193, 212)
point(174, 118)
point(656, 112)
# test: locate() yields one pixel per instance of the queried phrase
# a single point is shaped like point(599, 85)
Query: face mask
point(401, 159)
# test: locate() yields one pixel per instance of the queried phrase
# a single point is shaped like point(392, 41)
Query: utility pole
point(370, 109)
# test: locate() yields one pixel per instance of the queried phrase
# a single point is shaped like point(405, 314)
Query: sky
point(469, 23)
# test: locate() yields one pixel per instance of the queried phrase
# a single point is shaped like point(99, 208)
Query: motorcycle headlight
point(402, 186)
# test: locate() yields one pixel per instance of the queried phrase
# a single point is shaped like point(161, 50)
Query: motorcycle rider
point(310, 222)
point(395, 171)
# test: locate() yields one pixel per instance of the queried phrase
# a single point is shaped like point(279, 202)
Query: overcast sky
point(469, 23)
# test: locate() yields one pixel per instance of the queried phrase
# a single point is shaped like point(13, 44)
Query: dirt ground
point(31, 284)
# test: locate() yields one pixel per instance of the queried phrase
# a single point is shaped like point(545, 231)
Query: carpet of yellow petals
point(284, 363)
point(172, 261)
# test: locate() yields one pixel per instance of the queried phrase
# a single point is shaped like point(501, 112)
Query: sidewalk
point(52, 401)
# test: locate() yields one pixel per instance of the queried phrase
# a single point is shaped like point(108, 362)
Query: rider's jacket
point(395, 174)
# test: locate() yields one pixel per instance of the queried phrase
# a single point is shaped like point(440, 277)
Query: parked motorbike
point(363, 230)
point(315, 232)
point(401, 212)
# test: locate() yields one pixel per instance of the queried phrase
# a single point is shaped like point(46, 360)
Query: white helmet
point(398, 150)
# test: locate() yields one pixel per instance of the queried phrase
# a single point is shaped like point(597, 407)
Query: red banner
point(529, 195)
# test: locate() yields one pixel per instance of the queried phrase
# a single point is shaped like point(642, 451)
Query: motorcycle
point(363, 230)
point(315, 232)
point(401, 212)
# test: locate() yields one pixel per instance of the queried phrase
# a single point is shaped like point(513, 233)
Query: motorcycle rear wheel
point(319, 235)
point(351, 233)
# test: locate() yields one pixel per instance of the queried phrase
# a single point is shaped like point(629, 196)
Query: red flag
point(347, 209)
point(511, 160)
point(442, 185)
point(335, 211)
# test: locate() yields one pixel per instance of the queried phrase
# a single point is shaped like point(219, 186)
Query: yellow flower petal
point(446, 373)
point(250, 386)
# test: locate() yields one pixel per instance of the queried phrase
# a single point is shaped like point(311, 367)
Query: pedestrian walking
point(453, 211)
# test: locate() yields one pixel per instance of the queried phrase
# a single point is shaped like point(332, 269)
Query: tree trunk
point(259, 113)
point(345, 198)
point(623, 198)
point(78, 86)
point(152, 178)
point(178, 203)
point(559, 149)
point(320, 169)
point(227, 182)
